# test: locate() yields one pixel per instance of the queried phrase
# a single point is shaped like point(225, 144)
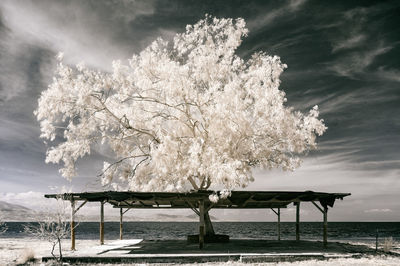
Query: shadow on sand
point(180, 251)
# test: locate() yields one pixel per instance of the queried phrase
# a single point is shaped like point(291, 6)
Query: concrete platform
point(179, 251)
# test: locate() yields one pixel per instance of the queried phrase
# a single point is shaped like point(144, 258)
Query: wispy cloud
point(343, 101)
point(378, 210)
point(351, 42)
point(357, 41)
point(352, 29)
point(388, 74)
point(265, 19)
point(356, 62)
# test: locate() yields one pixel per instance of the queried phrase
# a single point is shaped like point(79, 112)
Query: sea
point(352, 232)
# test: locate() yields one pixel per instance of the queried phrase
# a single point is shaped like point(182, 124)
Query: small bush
point(388, 244)
point(27, 255)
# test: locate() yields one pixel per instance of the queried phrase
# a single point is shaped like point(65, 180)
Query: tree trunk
point(208, 224)
point(59, 249)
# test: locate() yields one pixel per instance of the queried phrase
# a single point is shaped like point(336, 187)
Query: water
point(362, 232)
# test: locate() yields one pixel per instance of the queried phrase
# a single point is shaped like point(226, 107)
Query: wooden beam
point(80, 206)
point(247, 201)
point(124, 201)
point(297, 221)
point(193, 207)
point(72, 225)
point(318, 207)
point(202, 224)
point(102, 223)
point(209, 207)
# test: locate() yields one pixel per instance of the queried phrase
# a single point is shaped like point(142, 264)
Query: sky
point(341, 55)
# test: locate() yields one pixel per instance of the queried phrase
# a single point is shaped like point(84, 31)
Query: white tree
point(181, 115)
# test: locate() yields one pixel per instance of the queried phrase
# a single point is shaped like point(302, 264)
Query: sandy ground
point(15, 251)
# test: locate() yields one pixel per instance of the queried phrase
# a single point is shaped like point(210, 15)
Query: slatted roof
point(237, 200)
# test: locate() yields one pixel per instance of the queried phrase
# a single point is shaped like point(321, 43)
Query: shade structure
point(200, 203)
point(237, 199)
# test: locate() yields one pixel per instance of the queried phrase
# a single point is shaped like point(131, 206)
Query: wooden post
point(102, 223)
point(72, 224)
point(202, 225)
point(297, 221)
point(325, 226)
point(279, 224)
point(120, 223)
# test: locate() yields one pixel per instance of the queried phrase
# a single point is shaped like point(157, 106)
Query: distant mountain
point(17, 213)
point(196, 218)
point(14, 212)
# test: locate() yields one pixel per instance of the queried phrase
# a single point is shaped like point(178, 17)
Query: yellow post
point(120, 223)
point(279, 224)
point(202, 225)
point(325, 226)
point(72, 224)
point(102, 223)
point(298, 221)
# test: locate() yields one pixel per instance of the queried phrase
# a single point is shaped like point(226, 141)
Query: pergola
point(200, 203)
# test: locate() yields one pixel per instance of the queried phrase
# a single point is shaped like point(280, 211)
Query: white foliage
point(181, 115)
point(213, 197)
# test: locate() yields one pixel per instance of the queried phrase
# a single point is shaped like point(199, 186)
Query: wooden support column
point(72, 225)
point(279, 224)
point(297, 221)
point(278, 213)
point(121, 214)
point(325, 226)
point(202, 224)
point(102, 223)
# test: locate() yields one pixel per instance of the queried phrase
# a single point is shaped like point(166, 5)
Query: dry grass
point(388, 244)
point(26, 255)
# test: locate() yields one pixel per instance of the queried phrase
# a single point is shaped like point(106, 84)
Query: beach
point(14, 251)
point(350, 243)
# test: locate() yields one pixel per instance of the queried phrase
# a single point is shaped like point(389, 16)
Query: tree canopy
point(183, 114)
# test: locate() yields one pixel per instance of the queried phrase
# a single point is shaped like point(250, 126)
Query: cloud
point(342, 101)
point(78, 28)
point(266, 19)
point(351, 29)
point(357, 41)
point(388, 74)
point(378, 210)
point(351, 42)
point(355, 63)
